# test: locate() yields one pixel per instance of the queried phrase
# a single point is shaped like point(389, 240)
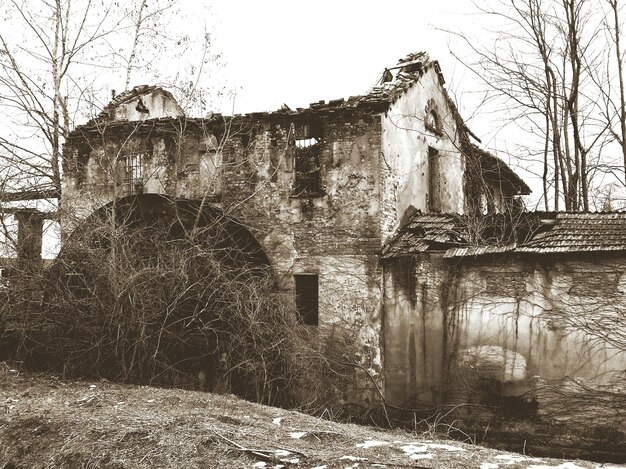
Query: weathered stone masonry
point(321, 189)
point(245, 166)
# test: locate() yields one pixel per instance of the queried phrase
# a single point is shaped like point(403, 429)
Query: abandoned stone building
point(382, 213)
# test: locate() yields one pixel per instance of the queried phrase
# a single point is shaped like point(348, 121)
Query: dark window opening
point(4, 277)
point(307, 180)
point(434, 180)
point(432, 122)
point(307, 298)
point(132, 167)
point(307, 169)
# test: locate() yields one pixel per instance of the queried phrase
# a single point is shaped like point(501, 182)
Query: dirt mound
point(47, 422)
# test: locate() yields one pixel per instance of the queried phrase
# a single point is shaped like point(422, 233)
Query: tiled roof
point(396, 80)
point(581, 232)
point(535, 233)
point(393, 83)
point(422, 232)
point(479, 250)
point(408, 71)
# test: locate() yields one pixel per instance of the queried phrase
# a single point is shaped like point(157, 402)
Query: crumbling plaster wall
point(405, 142)
point(156, 104)
point(517, 321)
point(544, 311)
point(413, 329)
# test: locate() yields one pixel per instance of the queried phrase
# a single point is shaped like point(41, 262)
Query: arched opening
point(150, 289)
point(175, 219)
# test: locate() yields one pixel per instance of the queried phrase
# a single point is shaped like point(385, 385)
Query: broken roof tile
point(424, 232)
point(543, 233)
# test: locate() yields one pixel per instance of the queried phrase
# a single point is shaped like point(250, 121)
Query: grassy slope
point(47, 422)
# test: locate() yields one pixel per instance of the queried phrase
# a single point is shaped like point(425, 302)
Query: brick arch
point(192, 354)
point(179, 216)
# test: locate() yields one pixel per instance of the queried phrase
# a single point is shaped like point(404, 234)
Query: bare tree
point(541, 71)
point(616, 108)
point(59, 60)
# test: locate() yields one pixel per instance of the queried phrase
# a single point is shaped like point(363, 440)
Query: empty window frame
point(307, 298)
point(132, 181)
point(307, 179)
point(595, 284)
point(432, 121)
point(434, 180)
point(4, 277)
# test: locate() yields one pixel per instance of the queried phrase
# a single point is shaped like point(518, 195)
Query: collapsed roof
point(393, 83)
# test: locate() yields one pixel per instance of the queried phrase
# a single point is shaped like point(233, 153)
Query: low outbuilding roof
point(528, 232)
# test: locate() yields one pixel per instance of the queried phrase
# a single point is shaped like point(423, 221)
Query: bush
point(168, 300)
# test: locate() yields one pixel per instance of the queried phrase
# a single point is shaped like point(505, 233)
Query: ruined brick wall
point(335, 235)
point(246, 167)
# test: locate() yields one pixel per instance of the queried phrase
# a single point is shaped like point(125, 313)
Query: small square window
point(307, 298)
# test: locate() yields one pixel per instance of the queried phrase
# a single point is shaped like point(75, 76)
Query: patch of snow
point(565, 465)
point(371, 444)
point(282, 453)
point(259, 464)
point(297, 435)
point(278, 466)
point(488, 465)
point(353, 458)
point(446, 447)
point(412, 449)
point(415, 457)
point(150, 401)
point(516, 458)
point(292, 460)
point(277, 420)
point(320, 467)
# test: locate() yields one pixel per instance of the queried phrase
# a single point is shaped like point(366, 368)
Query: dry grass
point(47, 422)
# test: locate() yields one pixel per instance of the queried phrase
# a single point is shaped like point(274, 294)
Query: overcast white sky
point(279, 51)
